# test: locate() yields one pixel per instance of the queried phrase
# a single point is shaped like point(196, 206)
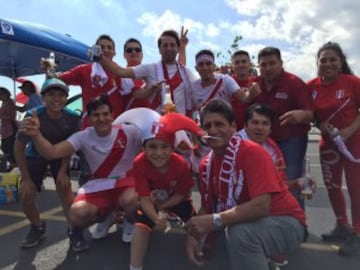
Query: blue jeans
point(248, 245)
point(294, 151)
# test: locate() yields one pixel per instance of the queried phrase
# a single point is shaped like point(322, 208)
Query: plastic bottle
point(306, 181)
point(52, 58)
point(51, 61)
point(168, 104)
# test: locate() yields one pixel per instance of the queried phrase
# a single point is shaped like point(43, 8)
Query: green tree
point(224, 59)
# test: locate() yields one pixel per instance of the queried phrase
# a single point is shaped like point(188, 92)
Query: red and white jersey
point(90, 89)
point(289, 93)
point(330, 97)
point(179, 80)
point(238, 106)
point(223, 88)
point(128, 87)
point(117, 150)
point(177, 179)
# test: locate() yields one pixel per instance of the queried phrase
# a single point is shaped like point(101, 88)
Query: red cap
point(170, 123)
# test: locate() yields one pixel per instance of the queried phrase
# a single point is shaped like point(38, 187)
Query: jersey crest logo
point(120, 143)
point(340, 93)
point(281, 95)
point(314, 94)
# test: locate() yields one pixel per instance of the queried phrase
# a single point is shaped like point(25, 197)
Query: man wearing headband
point(216, 85)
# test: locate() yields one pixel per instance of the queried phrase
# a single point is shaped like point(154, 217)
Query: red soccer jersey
point(177, 180)
point(328, 98)
point(239, 107)
point(80, 76)
point(133, 85)
point(258, 182)
point(290, 93)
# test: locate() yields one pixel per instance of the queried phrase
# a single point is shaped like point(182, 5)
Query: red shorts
point(105, 200)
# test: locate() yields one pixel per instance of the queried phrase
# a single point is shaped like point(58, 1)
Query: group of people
point(246, 214)
point(9, 124)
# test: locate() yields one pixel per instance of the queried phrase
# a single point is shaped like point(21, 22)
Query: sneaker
point(339, 234)
point(128, 229)
point(101, 229)
point(351, 246)
point(279, 260)
point(34, 236)
point(77, 240)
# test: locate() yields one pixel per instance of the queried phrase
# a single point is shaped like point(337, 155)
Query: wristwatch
point(217, 221)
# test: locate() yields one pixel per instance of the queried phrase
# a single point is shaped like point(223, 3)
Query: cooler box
point(9, 187)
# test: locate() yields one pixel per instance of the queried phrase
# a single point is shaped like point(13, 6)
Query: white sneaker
point(101, 229)
point(128, 229)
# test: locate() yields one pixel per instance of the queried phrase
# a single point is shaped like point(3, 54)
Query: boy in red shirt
point(163, 181)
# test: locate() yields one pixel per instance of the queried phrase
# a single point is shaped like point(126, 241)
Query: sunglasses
point(130, 50)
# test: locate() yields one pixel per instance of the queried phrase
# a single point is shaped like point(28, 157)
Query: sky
point(297, 27)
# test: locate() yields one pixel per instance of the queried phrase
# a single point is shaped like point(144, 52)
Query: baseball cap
point(30, 84)
point(54, 83)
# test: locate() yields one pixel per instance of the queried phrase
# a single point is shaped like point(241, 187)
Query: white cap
point(143, 118)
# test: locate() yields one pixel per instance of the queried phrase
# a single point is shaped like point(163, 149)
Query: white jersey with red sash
point(177, 76)
point(110, 158)
point(224, 88)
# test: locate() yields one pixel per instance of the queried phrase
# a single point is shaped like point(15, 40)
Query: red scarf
point(230, 179)
point(174, 82)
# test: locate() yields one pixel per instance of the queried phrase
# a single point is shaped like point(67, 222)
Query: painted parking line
point(320, 247)
point(48, 215)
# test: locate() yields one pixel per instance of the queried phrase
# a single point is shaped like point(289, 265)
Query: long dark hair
point(345, 68)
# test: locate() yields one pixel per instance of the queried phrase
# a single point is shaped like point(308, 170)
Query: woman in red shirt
point(336, 98)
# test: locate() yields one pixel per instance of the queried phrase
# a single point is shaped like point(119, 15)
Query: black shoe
point(77, 240)
point(339, 234)
point(34, 236)
point(351, 246)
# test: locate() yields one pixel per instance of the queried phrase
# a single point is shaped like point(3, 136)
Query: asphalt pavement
point(165, 252)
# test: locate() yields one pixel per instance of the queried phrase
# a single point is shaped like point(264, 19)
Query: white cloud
point(300, 28)
point(212, 30)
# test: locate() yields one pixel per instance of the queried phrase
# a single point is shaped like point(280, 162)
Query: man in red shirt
point(240, 65)
point(290, 99)
point(95, 80)
point(259, 214)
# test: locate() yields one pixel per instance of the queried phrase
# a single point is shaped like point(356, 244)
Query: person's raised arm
point(114, 68)
point(183, 43)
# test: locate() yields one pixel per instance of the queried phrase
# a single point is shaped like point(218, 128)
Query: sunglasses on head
point(130, 50)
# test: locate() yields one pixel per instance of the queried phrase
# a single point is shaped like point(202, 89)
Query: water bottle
point(305, 182)
point(168, 105)
point(51, 61)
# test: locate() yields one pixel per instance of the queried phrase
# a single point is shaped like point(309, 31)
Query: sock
point(135, 268)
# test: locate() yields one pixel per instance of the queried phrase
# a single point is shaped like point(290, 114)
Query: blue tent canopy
point(23, 44)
